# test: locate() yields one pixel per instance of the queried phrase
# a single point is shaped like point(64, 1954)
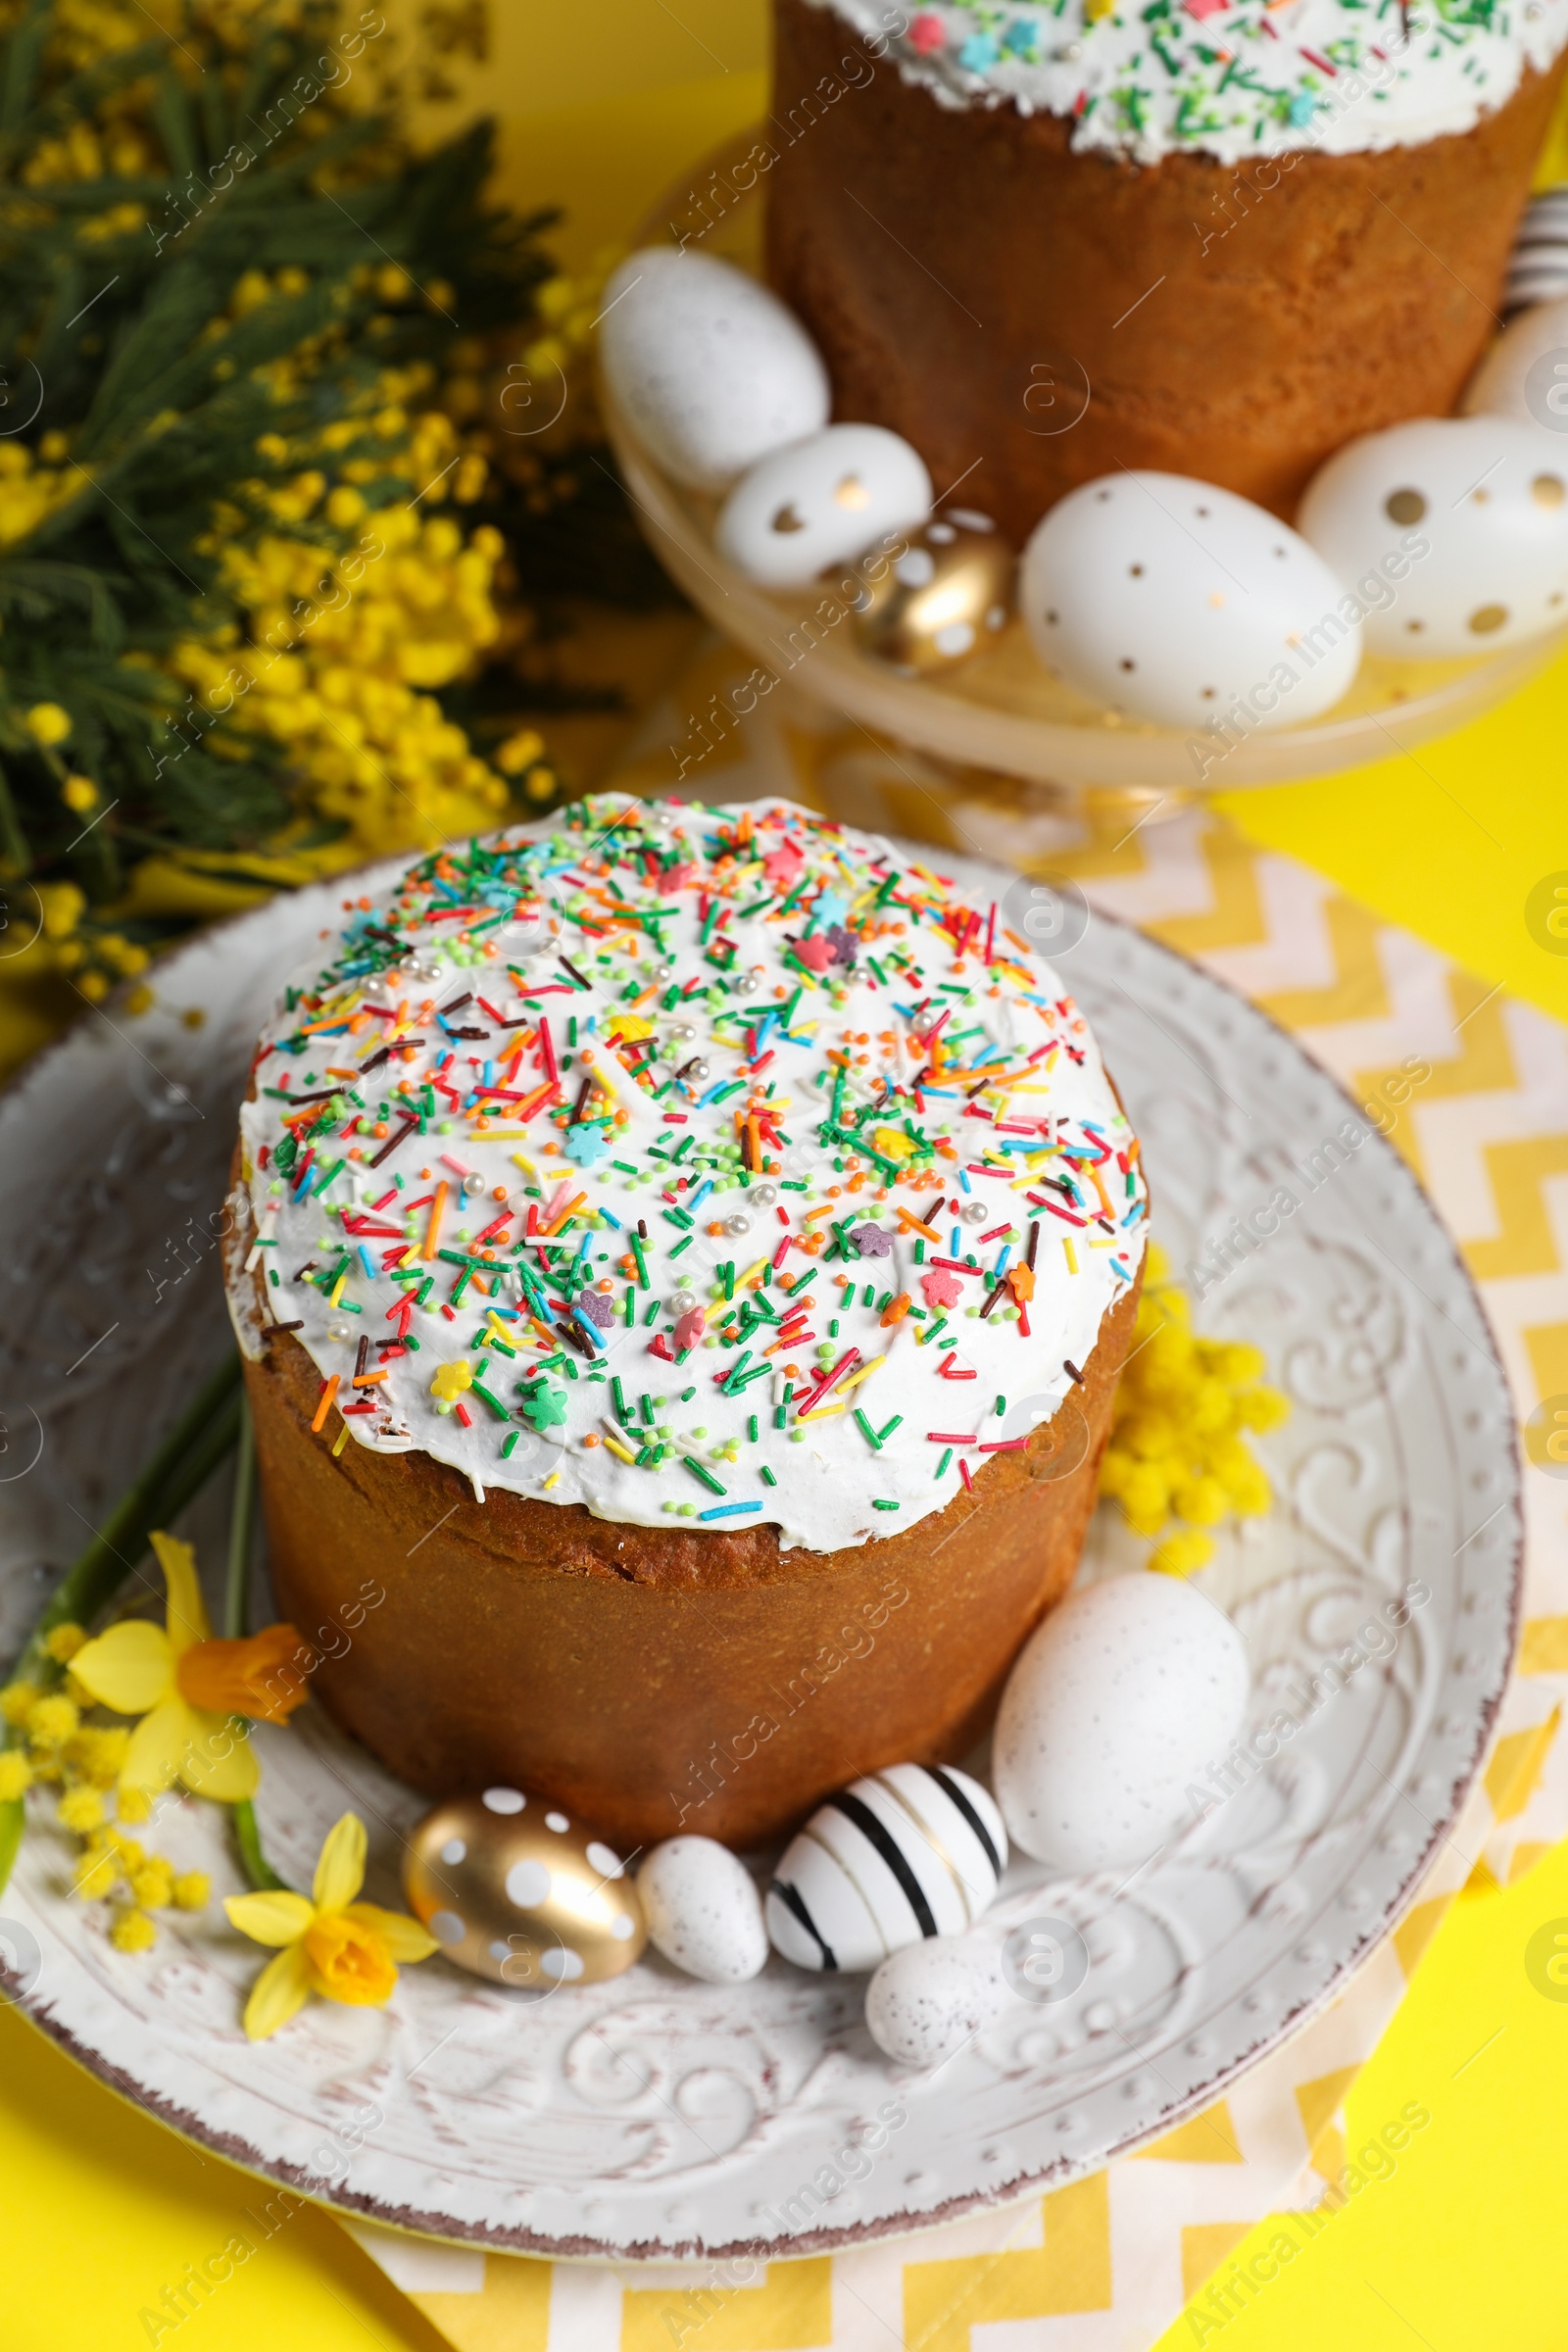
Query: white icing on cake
point(1154, 77)
point(595, 948)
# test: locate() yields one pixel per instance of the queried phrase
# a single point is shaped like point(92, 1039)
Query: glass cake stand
point(1002, 711)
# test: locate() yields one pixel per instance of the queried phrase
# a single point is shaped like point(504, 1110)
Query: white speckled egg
point(1525, 373)
point(1459, 524)
point(515, 1890)
point(911, 1851)
point(703, 1910)
point(1171, 601)
point(710, 368)
point(822, 501)
point(926, 2001)
point(1117, 1702)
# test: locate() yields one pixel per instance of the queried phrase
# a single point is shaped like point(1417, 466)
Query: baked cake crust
point(967, 273)
point(648, 1680)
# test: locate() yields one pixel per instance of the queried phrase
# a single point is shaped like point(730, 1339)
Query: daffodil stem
point(242, 1519)
point(248, 1838)
point(186, 1459)
point(13, 1819)
point(236, 1611)
point(177, 1473)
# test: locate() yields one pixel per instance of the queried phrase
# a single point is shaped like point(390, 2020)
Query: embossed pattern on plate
point(653, 2116)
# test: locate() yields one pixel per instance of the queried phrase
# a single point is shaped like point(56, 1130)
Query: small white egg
point(926, 2002)
point(1525, 373)
point(1119, 1700)
point(1173, 601)
point(710, 368)
point(1455, 530)
point(822, 501)
point(703, 1910)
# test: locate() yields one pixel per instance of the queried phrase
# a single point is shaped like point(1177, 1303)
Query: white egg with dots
point(1525, 373)
point(1120, 1701)
point(908, 1852)
point(1175, 602)
point(1465, 519)
point(703, 1910)
point(851, 491)
point(707, 368)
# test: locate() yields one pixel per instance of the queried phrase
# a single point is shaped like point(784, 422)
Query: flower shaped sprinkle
point(586, 1145)
point(449, 1382)
point(545, 1407)
point(188, 1688)
point(329, 1943)
point(815, 952)
point(893, 1142)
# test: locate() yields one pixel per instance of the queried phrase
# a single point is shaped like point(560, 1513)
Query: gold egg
point(514, 1889)
point(950, 589)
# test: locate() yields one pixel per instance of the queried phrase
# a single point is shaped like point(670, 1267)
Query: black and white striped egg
point(1538, 270)
point(908, 1852)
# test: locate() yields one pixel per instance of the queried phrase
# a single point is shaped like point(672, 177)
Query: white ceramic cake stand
point(1001, 710)
point(653, 2116)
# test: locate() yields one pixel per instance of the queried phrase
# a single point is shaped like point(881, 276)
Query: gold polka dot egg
point(512, 1889)
point(949, 593)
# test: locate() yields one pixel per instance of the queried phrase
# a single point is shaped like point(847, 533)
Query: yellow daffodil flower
point(188, 1688)
point(345, 1950)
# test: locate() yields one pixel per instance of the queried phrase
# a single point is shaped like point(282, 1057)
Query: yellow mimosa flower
point(332, 1944)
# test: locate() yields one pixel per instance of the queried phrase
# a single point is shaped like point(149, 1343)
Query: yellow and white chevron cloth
point(1107, 2264)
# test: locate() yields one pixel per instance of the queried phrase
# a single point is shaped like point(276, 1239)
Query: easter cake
point(688, 1260)
point(1218, 239)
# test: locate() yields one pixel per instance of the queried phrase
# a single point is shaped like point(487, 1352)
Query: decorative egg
point(514, 1889)
point(1173, 601)
point(709, 368)
point(1455, 530)
point(927, 2000)
point(703, 1910)
point(823, 501)
point(1122, 1697)
point(1538, 270)
point(908, 1852)
point(1525, 373)
point(952, 588)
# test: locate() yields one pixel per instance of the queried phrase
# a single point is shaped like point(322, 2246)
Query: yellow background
point(1463, 2247)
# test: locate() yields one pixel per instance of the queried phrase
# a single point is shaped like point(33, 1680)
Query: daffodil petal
point(277, 1917)
point(280, 1990)
point(402, 1936)
point(216, 1758)
point(157, 1747)
point(187, 1614)
point(131, 1668)
point(340, 1869)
